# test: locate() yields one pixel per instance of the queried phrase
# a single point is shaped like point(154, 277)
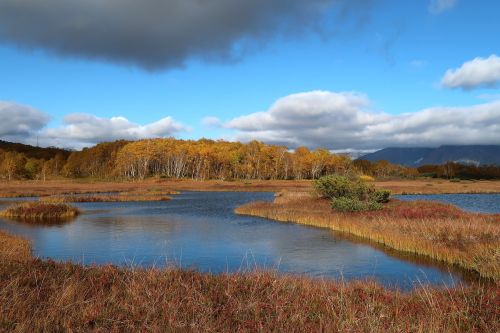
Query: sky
point(346, 75)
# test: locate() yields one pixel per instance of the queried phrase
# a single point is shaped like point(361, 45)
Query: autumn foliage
point(175, 159)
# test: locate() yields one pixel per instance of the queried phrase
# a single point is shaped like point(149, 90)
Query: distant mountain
point(32, 151)
point(414, 157)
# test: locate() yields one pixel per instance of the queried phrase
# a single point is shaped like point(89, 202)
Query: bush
point(381, 196)
point(339, 186)
point(345, 204)
point(351, 195)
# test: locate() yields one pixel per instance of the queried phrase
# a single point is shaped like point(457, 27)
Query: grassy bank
point(438, 231)
point(34, 211)
point(439, 186)
point(104, 198)
point(45, 296)
point(66, 186)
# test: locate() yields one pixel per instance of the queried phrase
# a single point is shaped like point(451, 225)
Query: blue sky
point(393, 53)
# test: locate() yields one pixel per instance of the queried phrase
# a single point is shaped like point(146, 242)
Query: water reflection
point(199, 230)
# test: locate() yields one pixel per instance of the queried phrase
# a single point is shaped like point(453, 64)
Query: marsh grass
point(104, 198)
point(40, 211)
point(151, 191)
point(37, 296)
point(13, 248)
point(76, 186)
point(439, 231)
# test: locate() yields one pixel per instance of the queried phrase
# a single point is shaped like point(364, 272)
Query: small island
point(40, 211)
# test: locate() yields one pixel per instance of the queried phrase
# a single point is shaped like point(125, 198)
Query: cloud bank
point(439, 6)
point(81, 130)
point(479, 72)
point(24, 124)
point(340, 121)
point(158, 33)
point(19, 121)
point(343, 121)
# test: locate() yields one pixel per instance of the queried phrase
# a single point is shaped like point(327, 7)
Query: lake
point(200, 230)
point(479, 203)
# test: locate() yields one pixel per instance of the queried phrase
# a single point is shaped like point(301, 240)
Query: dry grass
point(439, 186)
point(151, 191)
point(68, 186)
point(14, 248)
point(103, 198)
point(39, 211)
point(40, 296)
point(438, 231)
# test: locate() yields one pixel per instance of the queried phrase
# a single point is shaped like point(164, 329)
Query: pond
point(200, 230)
point(480, 203)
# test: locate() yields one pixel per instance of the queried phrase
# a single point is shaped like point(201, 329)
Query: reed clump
point(151, 191)
point(438, 231)
point(40, 210)
point(53, 297)
point(104, 198)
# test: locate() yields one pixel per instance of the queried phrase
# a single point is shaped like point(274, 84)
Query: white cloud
point(85, 129)
point(20, 121)
point(479, 72)
point(439, 6)
point(341, 121)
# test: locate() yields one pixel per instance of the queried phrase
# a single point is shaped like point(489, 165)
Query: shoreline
point(82, 186)
point(422, 228)
point(46, 295)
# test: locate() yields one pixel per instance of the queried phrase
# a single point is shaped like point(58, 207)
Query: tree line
point(452, 170)
point(194, 159)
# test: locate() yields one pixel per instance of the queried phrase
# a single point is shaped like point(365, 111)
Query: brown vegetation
point(103, 198)
point(439, 186)
point(40, 211)
point(439, 231)
point(47, 296)
point(13, 248)
point(67, 186)
point(151, 191)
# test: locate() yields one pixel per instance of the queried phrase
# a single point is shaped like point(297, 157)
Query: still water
point(200, 230)
point(480, 203)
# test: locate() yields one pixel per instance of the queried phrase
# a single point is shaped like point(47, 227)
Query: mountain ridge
point(418, 156)
point(33, 151)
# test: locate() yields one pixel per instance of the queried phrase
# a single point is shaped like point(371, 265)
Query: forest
point(451, 170)
point(207, 159)
point(177, 159)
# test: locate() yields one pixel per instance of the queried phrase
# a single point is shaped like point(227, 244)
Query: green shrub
point(340, 186)
point(351, 194)
point(381, 196)
point(345, 204)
